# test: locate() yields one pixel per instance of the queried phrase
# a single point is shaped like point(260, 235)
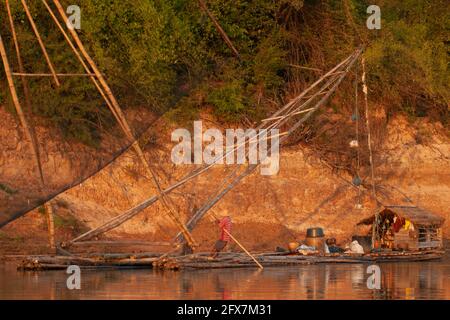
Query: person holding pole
point(225, 232)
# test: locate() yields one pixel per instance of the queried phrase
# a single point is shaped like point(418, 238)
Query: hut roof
point(415, 214)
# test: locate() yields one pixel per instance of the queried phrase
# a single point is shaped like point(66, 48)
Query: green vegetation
point(167, 55)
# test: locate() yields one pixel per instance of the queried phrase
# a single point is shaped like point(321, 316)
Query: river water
point(414, 280)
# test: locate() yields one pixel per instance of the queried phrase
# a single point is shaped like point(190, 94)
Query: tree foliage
point(167, 55)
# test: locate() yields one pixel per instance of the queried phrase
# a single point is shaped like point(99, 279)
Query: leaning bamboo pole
point(41, 42)
point(124, 124)
point(369, 139)
point(219, 28)
point(48, 206)
point(80, 58)
point(18, 107)
point(26, 90)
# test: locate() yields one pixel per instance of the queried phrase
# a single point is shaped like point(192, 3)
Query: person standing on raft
point(225, 231)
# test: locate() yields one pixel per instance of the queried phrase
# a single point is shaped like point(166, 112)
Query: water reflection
point(429, 280)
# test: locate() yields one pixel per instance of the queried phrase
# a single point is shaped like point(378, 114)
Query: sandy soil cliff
point(267, 210)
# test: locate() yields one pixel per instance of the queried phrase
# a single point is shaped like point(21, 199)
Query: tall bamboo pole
point(26, 89)
point(18, 107)
point(80, 58)
point(50, 225)
point(48, 206)
point(219, 29)
point(369, 143)
point(41, 42)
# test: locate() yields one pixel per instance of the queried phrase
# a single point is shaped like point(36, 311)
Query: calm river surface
point(425, 280)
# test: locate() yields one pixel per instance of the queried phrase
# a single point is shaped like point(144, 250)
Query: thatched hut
point(405, 227)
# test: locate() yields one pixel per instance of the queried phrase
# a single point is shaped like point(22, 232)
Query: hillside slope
point(267, 210)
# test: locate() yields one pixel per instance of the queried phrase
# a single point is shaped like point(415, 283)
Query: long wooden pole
point(41, 42)
point(48, 206)
point(369, 139)
point(26, 89)
point(219, 29)
point(124, 124)
point(369, 143)
point(18, 107)
point(50, 225)
point(80, 58)
point(41, 75)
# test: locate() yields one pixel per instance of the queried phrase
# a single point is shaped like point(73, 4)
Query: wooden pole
point(48, 206)
point(51, 226)
point(219, 29)
point(369, 143)
point(369, 139)
point(41, 43)
point(19, 109)
point(124, 124)
point(80, 58)
point(26, 89)
point(239, 244)
point(24, 74)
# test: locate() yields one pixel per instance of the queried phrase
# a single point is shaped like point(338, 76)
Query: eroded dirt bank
point(268, 211)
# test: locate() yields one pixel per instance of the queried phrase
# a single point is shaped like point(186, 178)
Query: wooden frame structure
point(324, 87)
point(305, 104)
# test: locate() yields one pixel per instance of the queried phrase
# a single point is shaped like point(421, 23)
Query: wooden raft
point(225, 260)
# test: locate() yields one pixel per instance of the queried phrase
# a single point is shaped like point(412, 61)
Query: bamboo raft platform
point(225, 260)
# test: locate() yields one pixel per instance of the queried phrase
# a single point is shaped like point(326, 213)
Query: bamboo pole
point(281, 117)
point(219, 29)
point(122, 120)
point(48, 206)
point(51, 226)
point(369, 143)
point(18, 108)
point(80, 58)
point(41, 42)
point(23, 74)
point(26, 89)
point(369, 139)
